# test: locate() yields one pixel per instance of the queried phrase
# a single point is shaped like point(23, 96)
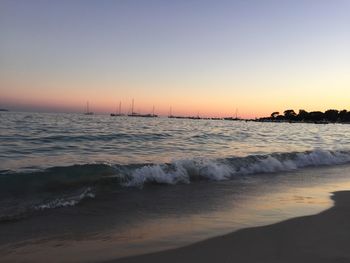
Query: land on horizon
point(332, 116)
point(329, 116)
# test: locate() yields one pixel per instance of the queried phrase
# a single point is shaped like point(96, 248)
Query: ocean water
point(132, 185)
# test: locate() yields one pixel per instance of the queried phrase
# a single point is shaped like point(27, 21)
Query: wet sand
point(324, 237)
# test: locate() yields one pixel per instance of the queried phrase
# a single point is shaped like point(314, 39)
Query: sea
point(90, 188)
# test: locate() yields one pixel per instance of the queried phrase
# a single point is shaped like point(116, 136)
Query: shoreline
point(112, 227)
point(324, 237)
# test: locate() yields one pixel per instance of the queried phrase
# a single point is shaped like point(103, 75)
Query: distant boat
point(88, 112)
point(143, 115)
point(187, 117)
point(232, 118)
point(171, 113)
point(116, 114)
point(4, 110)
point(134, 114)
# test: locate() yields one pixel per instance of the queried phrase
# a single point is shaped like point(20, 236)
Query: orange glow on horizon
point(107, 105)
point(249, 99)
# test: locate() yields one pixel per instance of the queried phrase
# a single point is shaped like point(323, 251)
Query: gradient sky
point(209, 57)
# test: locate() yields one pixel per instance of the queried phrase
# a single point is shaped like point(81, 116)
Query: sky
point(198, 57)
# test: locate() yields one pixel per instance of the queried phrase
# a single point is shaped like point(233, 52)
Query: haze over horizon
point(206, 57)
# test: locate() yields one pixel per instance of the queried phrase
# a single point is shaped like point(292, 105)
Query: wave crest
point(185, 171)
point(62, 186)
point(179, 171)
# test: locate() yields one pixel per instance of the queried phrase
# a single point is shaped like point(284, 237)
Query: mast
point(120, 107)
point(132, 107)
point(153, 111)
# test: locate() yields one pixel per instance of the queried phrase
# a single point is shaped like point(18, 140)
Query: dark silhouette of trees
point(303, 115)
point(330, 115)
point(344, 116)
point(274, 114)
point(316, 116)
point(290, 115)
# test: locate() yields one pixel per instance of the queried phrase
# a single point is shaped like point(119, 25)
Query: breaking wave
point(185, 171)
point(68, 186)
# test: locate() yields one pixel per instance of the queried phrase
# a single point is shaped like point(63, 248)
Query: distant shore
point(317, 117)
point(324, 237)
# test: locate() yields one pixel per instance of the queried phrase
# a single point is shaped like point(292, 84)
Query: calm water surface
point(37, 140)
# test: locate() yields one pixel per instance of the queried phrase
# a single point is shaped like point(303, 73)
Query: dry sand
point(319, 238)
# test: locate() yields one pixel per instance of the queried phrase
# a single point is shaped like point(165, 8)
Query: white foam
point(322, 157)
point(64, 202)
point(157, 174)
point(267, 165)
point(185, 171)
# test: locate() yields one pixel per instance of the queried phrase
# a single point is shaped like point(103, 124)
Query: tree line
point(313, 116)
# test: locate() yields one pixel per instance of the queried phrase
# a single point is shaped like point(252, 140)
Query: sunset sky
point(206, 57)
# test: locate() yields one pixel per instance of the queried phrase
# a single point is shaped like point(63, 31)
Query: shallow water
point(136, 221)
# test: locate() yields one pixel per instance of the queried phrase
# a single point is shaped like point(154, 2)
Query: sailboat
point(120, 111)
point(134, 114)
point(171, 113)
point(232, 118)
point(88, 112)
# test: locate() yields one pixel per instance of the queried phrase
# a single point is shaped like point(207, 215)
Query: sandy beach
point(324, 237)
